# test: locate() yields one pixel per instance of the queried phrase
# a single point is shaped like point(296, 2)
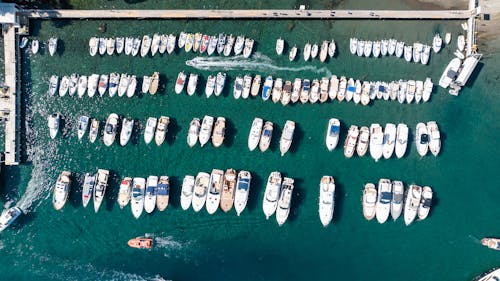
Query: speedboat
point(242, 190)
point(102, 46)
point(376, 141)
point(292, 54)
point(363, 140)
point(369, 201)
point(162, 47)
point(220, 80)
point(212, 45)
point(161, 130)
point(141, 243)
point(323, 89)
point(137, 197)
point(389, 140)
point(103, 84)
point(326, 199)
point(461, 42)
point(94, 130)
point(342, 88)
point(428, 85)
point(400, 46)
point(182, 39)
point(110, 46)
point(417, 52)
point(73, 84)
point(285, 201)
point(155, 80)
point(145, 45)
point(110, 129)
point(403, 89)
point(53, 83)
point(426, 52)
point(287, 137)
point(189, 42)
point(412, 202)
point(179, 83)
point(114, 80)
point(376, 49)
point(265, 138)
point(398, 191)
point(391, 49)
point(419, 91)
point(171, 43)
point(384, 200)
point(350, 141)
point(123, 85)
point(334, 87)
point(394, 90)
point(239, 44)
point(82, 85)
point(229, 45)
point(408, 53)
point(150, 195)
point(450, 73)
point(277, 89)
point(257, 80)
point(93, 45)
point(492, 243)
point(368, 48)
point(447, 38)
point(155, 44)
point(146, 84)
point(255, 132)
point(332, 48)
point(64, 86)
point(384, 45)
point(425, 203)
point(314, 96)
point(351, 88)
point(210, 86)
point(422, 139)
point(120, 44)
point(192, 83)
point(297, 85)
point(200, 191)
point(187, 192)
point(53, 123)
point(61, 190)
point(126, 132)
point(193, 132)
point(83, 124)
point(129, 43)
point(88, 188)
point(353, 45)
point(204, 43)
point(332, 133)
point(9, 216)
point(136, 47)
point(304, 92)
point(360, 49)
point(219, 131)
point(280, 45)
point(314, 50)
point(132, 85)
point(287, 93)
point(324, 51)
point(214, 190)
point(206, 130)
point(228, 189)
point(437, 42)
point(266, 90)
point(149, 131)
point(100, 188)
point(197, 41)
point(307, 51)
point(401, 140)
point(434, 137)
point(92, 84)
point(124, 192)
point(52, 46)
point(271, 194)
point(247, 84)
point(221, 43)
point(162, 193)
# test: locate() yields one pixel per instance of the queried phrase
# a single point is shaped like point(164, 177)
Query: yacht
point(187, 192)
point(171, 44)
point(73, 84)
point(369, 201)
point(110, 129)
point(242, 190)
point(304, 92)
point(417, 52)
point(155, 44)
point(412, 202)
point(229, 45)
point(314, 96)
point(129, 43)
point(360, 49)
point(492, 243)
point(434, 137)
point(146, 84)
point(210, 86)
point(403, 89)
point(214, 190)
point(220, 80)
point(61, 190)
point(428, 85)
point(323, 89)
point(408, 53)
point(162, 193)
point(353, 45)
point(437, 42)
point(394, 90)
point(53, 123)
point(351, 88)
point(285, 201)
point(162, 47)
point(326, 199)
point(53, 83)
point(384, 45)
point(287, 93)
point(132, 85)
point(350, 141)
point(120, 44)
point(271, 194)
point(94, 130)
point(193, 81)
point(110, 46)
point(314, 50)
point(334, 87)
point(137, 196)
point(114, 80)
point(391, 49)
point(426, 52)
point(182, 39)
point(398, 191)
point(136, 46)
point(384, 200)
point(368, 49)
point(342, 88)
point(149, 131)
point(257, 80)
point(447, 38)
point(376, 49)
point(124, 192)
point(126, 132)
point(461, 42)
point(419, 91)
point(145, 45)
point(410, 94)
point(332, 48)
point(161, 130)
point(200, 191)
point(266, 90)
point(307, 51)
point(193, 132)
point(155, 80)
point(450, 73)
point(103, 84)
point(150, 194)
point(293, 53)
point(422, 139)
point(206, 130)
point(287, 137)
point(248, 47)
point(88, 188)
point(323, 52)
point(64, 86)
point(52, 46)
point(280, 45)
point(123, 85)
point(255, 132)
point(179, 83)
point(363, 140)
point(297, 85)
point(401, 140)
point(400, 46)
point(425, 203)
point(221, 43)
point(188, 46)
point(247, 84)
point(219, 131)
point(83, 124)
point(100, 188)
point(9, 216)
point(196, 41)
point(228, 189)
point(389, 140)
point(204, 43)
point(265, 138)
point(102, 46)
point(277, 89)
point(93, 45)
point(332, 133)
point(376, 141)
point(212, 45)
point(92, 84)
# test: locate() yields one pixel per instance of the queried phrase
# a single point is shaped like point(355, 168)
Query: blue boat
point(266, 90)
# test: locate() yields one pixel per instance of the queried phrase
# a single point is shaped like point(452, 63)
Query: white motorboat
point(391, 49)
point(257, 80)
point(417, 52)
point(304, 92)
point(61, 190)
point(394, 90)
point(229, 45)
point(323, 51)
point(220, 80)
point(277, 89)
point(422, 139)
point(219, 132)
point(132, 85)
point(425, 203)
point(419, 91)
point(247, 84)
point(376, 49)
point(368, 48)
point(102, 46)
point(161, 130)
point(88, 188)
point(83, 124)
point(114, 80)
point(408, 53)
point(255, 132)
point(292, 54)
point(297, 86)
point(287, 93)
point(351, 88)
point(187, 192)
point(267, 88)
point(146, 84)
point(361, 48)
point(210, 86)
point(265, 138)
point(110, 46)
point(94, 130)
point(247, 51)
point(73, 84)
point(332, 47)
point(412, 202)
point(123, 85)
point(342, 89)
point(155, 43)
point(214, 190)
point(120, 44)
point(334, 87)
point(307, 51)
point(400, 47)
point(403, 89)
point(350, 141)
point(285, 201)
point(129, 43)
point(239, 44)
point(376, 141)
point(171, 44)
point(149, 131)
point(124, 192)
point(192, 83)
point(145, 45)
point(52, 46)
point(221, 43)
point(434, 137)
point(9, 216)
point(64, 86)
point(136, 47)
point(426, 53)
point(401, 140)
point(92, 85)
point(100, 188)
point(280, 46)
point(93, 45)
point(493, 274)
point(447, 38)
point(103, 84)
point(353, 45)
point(323, 89)
point(126, 132)
point(110, 129)
point(200, 191)
point(150, 194)
point(137, 196)
point(53, 123)
point(193, 132)
point(53, 83)
point(450, 73)
point(182, 39)
point(82, 85)
point(179, 83)
point(384, 46)
point(212, 45)
point(162, 46)
point(461, 42)
point(189, 43)
point(369, 201)
point(363, 141)
point(287, 137)
point(271, 194)
point(384, 200)
point(242, 190)
point(332, 133)
point(228, 189)
point(397, 199)
point(326, 199)
point(428, 85)
point(206, 130)
point(389, 140)
point(314, 95)
point(437, 42)
point(162, 193)
point(314, 51)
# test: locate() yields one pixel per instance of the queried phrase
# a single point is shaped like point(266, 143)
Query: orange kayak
point(141, 243)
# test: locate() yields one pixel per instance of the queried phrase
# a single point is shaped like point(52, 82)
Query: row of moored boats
point(35, 45)
point(310, 51)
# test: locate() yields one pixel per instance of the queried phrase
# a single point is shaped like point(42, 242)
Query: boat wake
point(258, 62)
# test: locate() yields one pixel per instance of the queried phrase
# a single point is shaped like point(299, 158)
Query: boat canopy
point(334, 130)
point(386, 197)
point(243, 184)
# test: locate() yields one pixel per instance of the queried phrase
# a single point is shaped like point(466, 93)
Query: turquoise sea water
point(77, 244)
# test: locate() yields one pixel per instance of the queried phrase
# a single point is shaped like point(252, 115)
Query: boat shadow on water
point(112, 190)
point(75, 193)
point(298, 136)
point(339, 202)
point(298, 196)
point(274, 145)
point(255, 191)
point(230, 133)
point(174, 200)
point(136, 133)
point(173, 131)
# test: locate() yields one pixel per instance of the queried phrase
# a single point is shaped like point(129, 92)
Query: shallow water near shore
point(77, 244)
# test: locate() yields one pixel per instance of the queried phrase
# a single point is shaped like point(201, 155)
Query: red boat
point(141, 243)
point(204, 43)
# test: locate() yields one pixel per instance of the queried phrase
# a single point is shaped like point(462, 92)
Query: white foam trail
point(258, 62)
point(167, 243)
